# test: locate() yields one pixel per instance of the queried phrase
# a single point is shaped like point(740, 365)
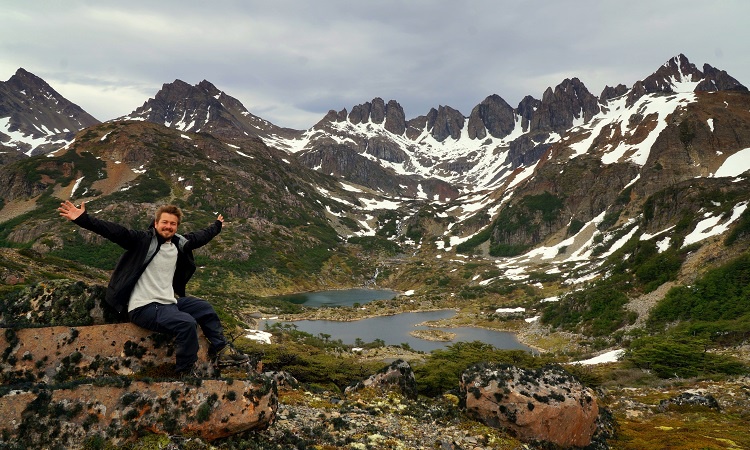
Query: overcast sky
point(290, 62)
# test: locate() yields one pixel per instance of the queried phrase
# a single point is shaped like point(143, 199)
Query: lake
point(393, 330)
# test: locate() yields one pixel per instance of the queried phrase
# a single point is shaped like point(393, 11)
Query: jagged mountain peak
point(678, 74)
point(34, 118)
point(204, 108)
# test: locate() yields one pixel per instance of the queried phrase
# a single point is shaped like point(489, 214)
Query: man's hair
point(169, 209)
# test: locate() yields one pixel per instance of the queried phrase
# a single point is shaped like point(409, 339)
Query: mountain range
point(554, 181)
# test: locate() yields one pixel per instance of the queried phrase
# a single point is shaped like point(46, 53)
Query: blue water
point(394, 330)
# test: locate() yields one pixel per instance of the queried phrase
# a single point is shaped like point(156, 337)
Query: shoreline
point(521, 335)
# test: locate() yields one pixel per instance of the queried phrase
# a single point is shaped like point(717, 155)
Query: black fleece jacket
point(140, 248)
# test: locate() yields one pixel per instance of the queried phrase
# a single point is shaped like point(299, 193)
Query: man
point(149, 282)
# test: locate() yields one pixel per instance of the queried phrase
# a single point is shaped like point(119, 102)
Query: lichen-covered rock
point(62, 386)
point(57, 302)
point(397, 374)
point(690, 400)
point(59, 354)
point(117, 409)
point(546, 404)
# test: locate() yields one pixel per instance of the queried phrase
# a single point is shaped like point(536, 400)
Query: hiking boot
point(227, 356)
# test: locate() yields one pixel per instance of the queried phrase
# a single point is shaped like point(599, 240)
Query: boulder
point(546, 404)
point(398, 374)
point(690, 400)
point(63, 386)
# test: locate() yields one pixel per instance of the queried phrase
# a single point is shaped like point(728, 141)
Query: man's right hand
point(70, 211)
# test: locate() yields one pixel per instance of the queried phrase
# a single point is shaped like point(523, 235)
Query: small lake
point(394, 330)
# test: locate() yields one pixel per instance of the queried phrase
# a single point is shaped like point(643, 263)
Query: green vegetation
point(524, 218)
point(442, 369)
point(315, 360)
point(375, 244)
point(717, 306)
point(147, 188)
point(680, 356)
point(474, 241)
point(598, 311)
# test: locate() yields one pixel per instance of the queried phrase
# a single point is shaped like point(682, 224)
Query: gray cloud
point(291, 61)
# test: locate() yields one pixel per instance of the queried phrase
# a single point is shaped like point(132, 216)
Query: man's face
point(166, 225)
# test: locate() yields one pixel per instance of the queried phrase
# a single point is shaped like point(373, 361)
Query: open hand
point(70, 211)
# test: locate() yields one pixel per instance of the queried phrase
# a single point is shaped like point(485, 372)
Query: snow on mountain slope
point(612, 124)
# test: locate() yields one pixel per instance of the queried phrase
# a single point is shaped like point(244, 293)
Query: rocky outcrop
point(570, 101)
point(718, 80)
point(680, 70)
point(337, 159)
point(690, 400)
point(546, 404)
point(526, 108)
point(60, 354)
point(494, 116)
point(378, 112)
point(445, 122)
point(610, 92)
point(398, 374)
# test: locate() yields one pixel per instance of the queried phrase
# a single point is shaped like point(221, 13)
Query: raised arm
point(114, 232)
point(200, 238)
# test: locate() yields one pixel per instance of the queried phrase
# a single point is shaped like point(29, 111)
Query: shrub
point(679, 356)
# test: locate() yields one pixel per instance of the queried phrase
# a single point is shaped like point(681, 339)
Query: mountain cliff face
point(34, 118)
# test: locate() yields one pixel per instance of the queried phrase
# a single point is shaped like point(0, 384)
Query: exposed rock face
point(677, 69)
point(559, 108)
point(337, 159)
point(398, 373)
point(718, 80)
point(445, 122)
point(494, 116)
point(547, 404)
point(610, 92)
point(680, 70)
point(526, 109)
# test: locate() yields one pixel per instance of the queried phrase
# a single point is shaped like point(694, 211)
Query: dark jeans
point(180, 321)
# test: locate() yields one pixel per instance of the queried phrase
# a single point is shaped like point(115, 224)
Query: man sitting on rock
point(149, 280)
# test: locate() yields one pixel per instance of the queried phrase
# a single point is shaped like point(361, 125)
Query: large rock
point(397, 374)
point(117, 409)
point(546, 404)
point(59, 354)
point(62, 386)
